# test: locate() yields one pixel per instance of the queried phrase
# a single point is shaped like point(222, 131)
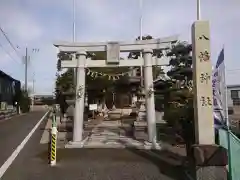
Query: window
point(234, 94)
point(236, 102)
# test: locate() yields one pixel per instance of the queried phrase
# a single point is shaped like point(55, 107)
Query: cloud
point(4, 56)
point(39, 23)
point(18, 23)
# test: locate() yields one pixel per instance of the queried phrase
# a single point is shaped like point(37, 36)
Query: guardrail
point(231, 142)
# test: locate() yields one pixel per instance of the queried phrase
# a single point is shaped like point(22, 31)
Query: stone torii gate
point(113, 50)
point(209, 159)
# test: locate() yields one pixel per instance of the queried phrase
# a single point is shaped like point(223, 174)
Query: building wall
point(233, 95)
point(229, 99)
point(9, 89)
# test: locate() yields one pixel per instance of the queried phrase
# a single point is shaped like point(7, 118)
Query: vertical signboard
point(202, 78)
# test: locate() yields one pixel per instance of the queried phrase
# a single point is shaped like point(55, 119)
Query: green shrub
point(25, 102)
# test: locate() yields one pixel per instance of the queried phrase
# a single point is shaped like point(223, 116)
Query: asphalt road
point(84, 164)
point(14, 130)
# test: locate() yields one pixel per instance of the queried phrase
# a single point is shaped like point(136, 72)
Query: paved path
point(112, 135)
point(14, 130)
point(83, 164)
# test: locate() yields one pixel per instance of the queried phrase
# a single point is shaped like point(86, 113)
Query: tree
point(157, 70)
point(64, 81)
point(177, 95)
point(25, 101)
point(177, 89)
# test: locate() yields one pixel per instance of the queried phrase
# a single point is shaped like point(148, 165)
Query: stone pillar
point(141, 110)
point(134, 100)
point(209, 159)
point(79, 103)
point(149, 96)
point(202, 78)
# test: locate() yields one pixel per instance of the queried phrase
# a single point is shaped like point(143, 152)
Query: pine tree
point(176, 91)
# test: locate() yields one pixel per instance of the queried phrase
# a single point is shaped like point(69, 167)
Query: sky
point(38, 24)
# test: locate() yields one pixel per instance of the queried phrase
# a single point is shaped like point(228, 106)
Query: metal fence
point(231, 142)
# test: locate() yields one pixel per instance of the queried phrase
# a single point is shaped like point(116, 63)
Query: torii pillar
point(149, 98)
point(77, 141)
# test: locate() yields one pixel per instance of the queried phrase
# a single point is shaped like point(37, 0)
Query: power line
point(9, 41)
point(8, 53)
point(230, 70)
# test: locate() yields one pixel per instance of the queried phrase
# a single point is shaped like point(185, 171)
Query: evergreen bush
point(25, 102)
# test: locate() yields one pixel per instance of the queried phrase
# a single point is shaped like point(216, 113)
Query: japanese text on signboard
point(206, 101)
point(204, 56)
point(205, 77)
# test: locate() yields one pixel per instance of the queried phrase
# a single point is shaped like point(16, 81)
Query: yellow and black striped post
point(53, 146)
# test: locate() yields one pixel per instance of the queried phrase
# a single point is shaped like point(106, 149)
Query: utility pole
point(74, 38)
point(26, 60)
point(141, 34)
point(74, 21)
point(198, 9)
point(33, 89)
point(26, 69)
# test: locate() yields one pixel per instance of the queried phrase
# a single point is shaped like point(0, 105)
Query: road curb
point(5, 116)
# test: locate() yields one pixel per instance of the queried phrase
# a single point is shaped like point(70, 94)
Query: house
point(233, 98)
point(233, 95)
point(44, 99)
point(9, 90)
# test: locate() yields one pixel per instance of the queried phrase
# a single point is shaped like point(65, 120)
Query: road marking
point(10, 160)
point(45, 136)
